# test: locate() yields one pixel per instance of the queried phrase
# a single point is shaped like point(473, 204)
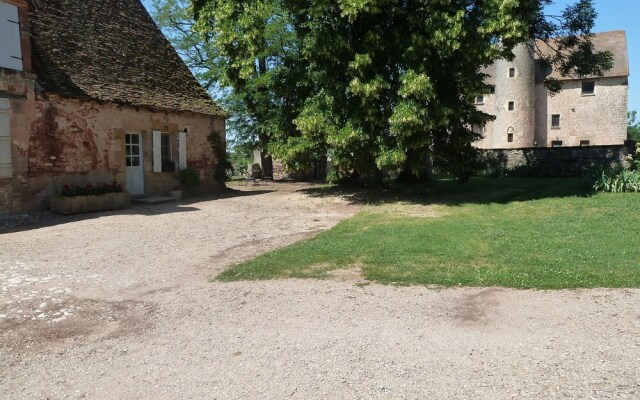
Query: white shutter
point(182, 150)
point(10, 45)
point(5, 140)
point(157, 151)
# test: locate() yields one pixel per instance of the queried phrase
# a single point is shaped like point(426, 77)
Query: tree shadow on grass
point(450, 192)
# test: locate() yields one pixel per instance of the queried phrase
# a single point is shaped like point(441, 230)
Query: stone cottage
point(589, 111)
point(90, 92)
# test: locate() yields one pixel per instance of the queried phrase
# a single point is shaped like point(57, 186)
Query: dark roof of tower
point(111, 50)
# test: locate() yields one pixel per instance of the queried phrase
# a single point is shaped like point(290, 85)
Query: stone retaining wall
point(553, 161)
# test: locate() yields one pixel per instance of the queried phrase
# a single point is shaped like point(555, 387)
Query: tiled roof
point(615, 42)
point(111, 50)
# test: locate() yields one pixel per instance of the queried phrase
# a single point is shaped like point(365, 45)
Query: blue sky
point(613, 15)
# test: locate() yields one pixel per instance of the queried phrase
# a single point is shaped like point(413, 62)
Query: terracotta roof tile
point(111, 50)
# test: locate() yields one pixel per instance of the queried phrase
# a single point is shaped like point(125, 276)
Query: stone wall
point(553, 162)
point(58, 141)
point(519, 90)
point(600, 118)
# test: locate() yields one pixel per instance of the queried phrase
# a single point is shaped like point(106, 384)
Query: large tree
point(380, 85)
point(248, 98)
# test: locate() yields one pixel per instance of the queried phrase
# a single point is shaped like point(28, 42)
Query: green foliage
point(241, 157)
point(523, 233)
point(618, 180)
point(378, 84)
point(633, 126)
point(220, 152)
point(189, 178)
point(202, 55)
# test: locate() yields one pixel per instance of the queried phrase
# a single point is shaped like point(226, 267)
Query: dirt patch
point(480, 307)
point(73, 319)
point(352, 274)
point(411, 210)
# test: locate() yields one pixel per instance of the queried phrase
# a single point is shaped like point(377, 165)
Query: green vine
point(220, 151)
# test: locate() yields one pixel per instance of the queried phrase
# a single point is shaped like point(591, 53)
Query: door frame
point(131, 170)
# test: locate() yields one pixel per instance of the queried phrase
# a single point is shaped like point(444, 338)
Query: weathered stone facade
point(587, 119)
point(58, 141)
point(59, 138)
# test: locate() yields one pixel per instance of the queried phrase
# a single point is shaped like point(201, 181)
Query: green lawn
point(525, 233)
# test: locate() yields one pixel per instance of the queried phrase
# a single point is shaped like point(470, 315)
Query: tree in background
point(381, 85)
point(633, 126)
point(202, 56)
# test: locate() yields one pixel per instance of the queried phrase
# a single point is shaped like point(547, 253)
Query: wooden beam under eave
point(19, 3)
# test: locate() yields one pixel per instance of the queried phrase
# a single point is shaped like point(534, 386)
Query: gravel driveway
point(118, 305)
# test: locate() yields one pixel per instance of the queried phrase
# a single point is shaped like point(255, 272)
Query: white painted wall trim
point(182, 150)
point(157, 151)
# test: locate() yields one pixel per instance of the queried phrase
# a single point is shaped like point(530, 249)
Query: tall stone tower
point(515, 100)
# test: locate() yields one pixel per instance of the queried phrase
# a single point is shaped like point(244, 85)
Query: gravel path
point(118, 305)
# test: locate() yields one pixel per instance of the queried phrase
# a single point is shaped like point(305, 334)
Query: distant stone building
point(91, 91)
point(588, 111)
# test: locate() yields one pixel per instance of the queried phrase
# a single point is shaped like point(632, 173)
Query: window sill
point(555, 128)
point(588, 95)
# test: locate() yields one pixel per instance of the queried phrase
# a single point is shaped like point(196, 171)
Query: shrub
point(91, 190)
point(615, 180)
point(189, 178)
point(222, 163)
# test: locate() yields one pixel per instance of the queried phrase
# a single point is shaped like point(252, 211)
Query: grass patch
point(523, 233)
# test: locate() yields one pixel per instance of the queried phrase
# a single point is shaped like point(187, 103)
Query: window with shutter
point(5, 140)
point(10, 46)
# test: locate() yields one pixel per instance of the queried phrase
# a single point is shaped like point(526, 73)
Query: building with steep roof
point(92, 91)
point(588, 111)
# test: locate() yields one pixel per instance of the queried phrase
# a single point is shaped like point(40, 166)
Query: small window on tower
point(584, 143)
point(512, 105)
point(512, 72)
point(556, 143)
point(479, 99)
point(555, 121)
point(588, 88)
point(510, 137)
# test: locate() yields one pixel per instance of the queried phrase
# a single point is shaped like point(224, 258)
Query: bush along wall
point(618, 179)
point(220, 151)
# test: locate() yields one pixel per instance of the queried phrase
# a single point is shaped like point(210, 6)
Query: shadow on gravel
point(10, 223)
point(450, 192)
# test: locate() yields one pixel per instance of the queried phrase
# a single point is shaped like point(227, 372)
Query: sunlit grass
point(525, 233)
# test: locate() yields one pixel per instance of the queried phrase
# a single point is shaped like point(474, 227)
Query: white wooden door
point(134, 162)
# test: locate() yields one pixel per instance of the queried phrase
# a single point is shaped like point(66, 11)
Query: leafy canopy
point(633, 126)
point(381, 85)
